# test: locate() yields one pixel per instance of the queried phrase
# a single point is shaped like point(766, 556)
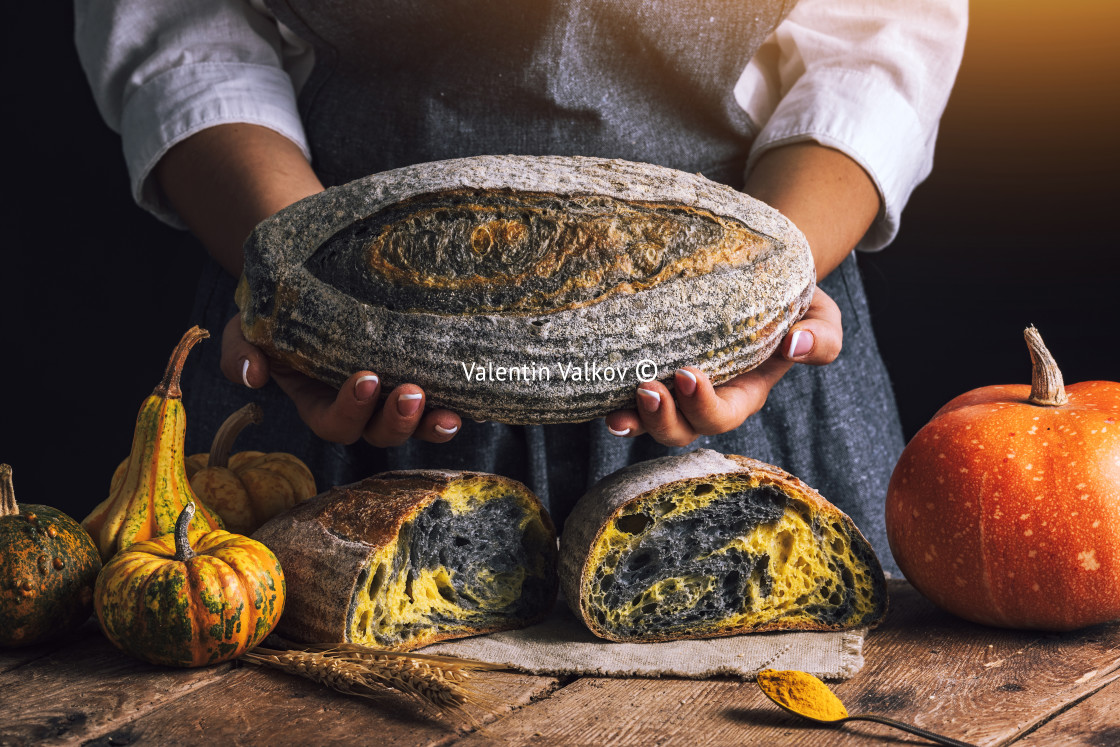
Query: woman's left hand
point(697, 408)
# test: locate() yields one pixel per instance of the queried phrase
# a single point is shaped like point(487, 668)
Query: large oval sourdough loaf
point(507, 286)
point(704, 545)
point(403, 559)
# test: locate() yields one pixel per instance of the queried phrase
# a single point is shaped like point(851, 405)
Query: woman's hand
point(833, 201)
point(355, 411)
point(699, 409)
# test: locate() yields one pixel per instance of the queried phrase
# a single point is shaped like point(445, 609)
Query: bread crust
point(606, 500)
point(611, 290)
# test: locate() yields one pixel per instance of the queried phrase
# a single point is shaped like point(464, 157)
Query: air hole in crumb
point(445, 590)
point(785, 546)
point(633, 524)
point(378, 580)
point(703, 489)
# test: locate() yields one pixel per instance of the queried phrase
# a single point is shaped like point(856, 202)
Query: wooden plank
point(1094, 722)
point(82, 690)
point(980, 684)
point(11, 658)
point(261, 706)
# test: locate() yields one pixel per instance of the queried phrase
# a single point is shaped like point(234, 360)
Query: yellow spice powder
point(801, 693)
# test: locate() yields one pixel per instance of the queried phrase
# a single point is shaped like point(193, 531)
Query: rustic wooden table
point(987, 686)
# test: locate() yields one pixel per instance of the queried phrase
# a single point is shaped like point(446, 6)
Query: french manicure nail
point(365, 387)
point(623, 432)
point(408, 404)
point(800, 343)
point(245, 372)
point(686, 382)
point(446, 431)
point(650, 399)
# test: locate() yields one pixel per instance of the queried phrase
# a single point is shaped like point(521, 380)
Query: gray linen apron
point(401, 82)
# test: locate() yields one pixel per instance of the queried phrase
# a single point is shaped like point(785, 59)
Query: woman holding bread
point(827, 110)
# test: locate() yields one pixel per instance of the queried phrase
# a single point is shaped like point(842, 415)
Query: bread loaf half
point(524, 289)
point(403, 559)
point(705, 545)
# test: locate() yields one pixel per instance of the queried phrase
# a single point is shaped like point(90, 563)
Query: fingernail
point(623, 432)
point(686, 382)
point(408, 404)
point(245, 372)
point(800, 343)
point(650, 399)
point(365, 387)
point(446, 431)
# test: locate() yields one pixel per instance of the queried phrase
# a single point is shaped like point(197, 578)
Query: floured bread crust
point(439, 273)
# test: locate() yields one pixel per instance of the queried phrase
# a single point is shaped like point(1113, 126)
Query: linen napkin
point(562, 645)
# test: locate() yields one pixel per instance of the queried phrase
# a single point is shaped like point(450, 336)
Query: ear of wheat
point(438, 681)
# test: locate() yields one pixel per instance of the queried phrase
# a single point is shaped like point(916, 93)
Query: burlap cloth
point(562, 645)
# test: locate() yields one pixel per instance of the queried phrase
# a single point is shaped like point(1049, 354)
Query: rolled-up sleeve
point(162, 70)
point(870, 79)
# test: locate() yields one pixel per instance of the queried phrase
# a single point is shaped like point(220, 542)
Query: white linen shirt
point(869, 78)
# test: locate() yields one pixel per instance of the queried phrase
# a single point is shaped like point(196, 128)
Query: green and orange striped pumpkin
point(190, 598)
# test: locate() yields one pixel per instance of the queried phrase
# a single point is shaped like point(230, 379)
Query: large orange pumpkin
point(1005, 508)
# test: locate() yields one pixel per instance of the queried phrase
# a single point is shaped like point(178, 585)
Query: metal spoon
point(772, 692)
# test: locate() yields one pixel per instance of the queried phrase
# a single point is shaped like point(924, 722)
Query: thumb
point(242, 362)
point(818, 337)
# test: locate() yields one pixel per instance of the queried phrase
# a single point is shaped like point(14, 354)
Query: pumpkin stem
point(1047, 387)
point(228, 432)
point(8, 505)
point(183, 550)
point(168, 388)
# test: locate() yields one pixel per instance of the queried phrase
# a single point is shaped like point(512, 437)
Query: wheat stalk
point(439, 681)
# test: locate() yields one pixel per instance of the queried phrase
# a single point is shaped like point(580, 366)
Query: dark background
point(1015, 226)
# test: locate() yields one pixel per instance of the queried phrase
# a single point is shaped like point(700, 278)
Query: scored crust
point(739, 524)
point(435, 273)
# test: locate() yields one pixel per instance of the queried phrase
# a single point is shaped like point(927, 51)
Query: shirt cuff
point(868, 120)
point(184, 100)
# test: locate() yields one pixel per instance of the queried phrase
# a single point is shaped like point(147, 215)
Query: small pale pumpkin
point(249, 487)
point(148, 493)
point(190, 599)
point(48, 565)
point(1005, 508)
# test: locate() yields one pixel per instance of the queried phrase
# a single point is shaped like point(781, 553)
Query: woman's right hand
point(222, 181)
point(355, 411)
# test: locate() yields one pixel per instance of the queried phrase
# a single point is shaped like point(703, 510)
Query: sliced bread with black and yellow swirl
point(704, 545)
point(404, 559)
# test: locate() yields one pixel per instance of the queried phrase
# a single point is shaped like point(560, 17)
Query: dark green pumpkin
point(48, 566)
